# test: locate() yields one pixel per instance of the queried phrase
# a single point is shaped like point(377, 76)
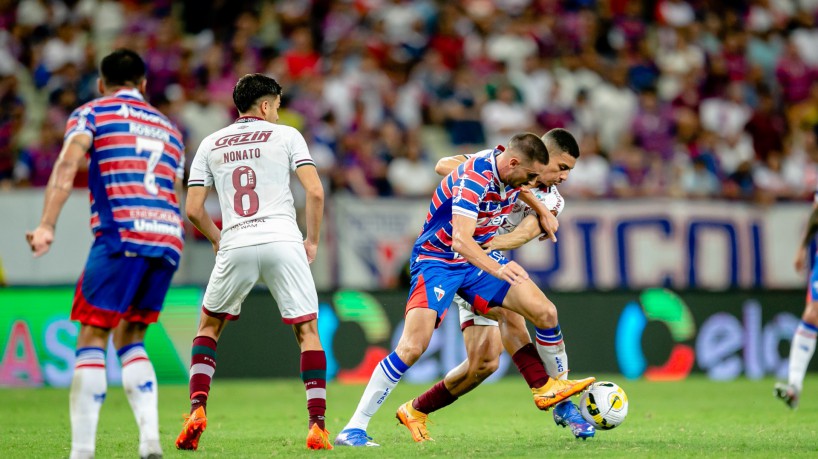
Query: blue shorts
point(115, 286)
point(435, 283)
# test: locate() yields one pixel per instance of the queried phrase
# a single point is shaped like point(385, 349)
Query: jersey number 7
point(155, 148)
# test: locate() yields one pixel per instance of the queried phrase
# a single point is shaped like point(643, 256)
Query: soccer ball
point(604, 405)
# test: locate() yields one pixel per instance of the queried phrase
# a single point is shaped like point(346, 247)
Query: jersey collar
point(248, 119)
point(493, 160)
point(129, 92)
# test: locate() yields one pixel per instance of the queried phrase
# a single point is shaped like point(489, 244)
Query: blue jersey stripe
point(473, 189)
point(136, 147)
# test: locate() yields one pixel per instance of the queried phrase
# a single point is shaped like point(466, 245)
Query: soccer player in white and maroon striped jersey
point(135, 157)
point(249, 163)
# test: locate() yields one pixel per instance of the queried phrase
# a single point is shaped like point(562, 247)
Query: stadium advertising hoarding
point(602, 244)
point(37, 339)
point(654, 334)
point(632, 244)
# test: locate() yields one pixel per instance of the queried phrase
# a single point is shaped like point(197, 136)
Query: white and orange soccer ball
point(604, 405)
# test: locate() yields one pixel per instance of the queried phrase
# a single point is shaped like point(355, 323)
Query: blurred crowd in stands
point(697, 99)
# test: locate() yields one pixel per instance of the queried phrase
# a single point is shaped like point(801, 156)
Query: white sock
point(384, 379)
point(88, 388)
point(551, 349)
point(801, 350)
point(139, 382)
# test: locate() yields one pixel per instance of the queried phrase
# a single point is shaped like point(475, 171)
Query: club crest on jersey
point(439, 292)
point(242, 138)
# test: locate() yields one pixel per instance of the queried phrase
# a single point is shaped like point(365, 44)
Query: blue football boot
point(566, 414)
point(354, 437)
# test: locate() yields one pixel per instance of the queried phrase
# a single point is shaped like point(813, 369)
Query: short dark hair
point(530, 145)
point(252, 87)
point(122, 67)
point(564, 140)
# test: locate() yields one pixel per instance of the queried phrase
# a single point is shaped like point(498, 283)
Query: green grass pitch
point(694, 418)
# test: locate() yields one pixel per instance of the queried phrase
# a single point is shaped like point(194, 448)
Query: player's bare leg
point(801, 350)
point(417, 332)
point(88, 389)
point(202, 369)
point(314, 376)
point(483, 349)
point(529, 301)
point(139, 383)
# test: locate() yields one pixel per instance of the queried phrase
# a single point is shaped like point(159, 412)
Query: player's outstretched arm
point(527, 230)
point(446, 165)
point(308, 176)
point(196, 213)
point(547, 220)
point(463, 243)
point(809, 233)
point(57, 191)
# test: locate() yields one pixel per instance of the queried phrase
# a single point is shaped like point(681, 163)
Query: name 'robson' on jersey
point(249, 163)
point(473, 190)
point(135, 157)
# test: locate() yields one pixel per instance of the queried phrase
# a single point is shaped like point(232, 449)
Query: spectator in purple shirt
point(794, 76)
point(34, 164)
point(766, 126)
point(163, 58)
point(652, 127)
point(634, 174)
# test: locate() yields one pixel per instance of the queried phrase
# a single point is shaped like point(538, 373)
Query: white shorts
point(282, 266)
point(468, 317)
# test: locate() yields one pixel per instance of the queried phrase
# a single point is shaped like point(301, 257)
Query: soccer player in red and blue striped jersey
point(804, 339)
point(135, 156)
point(467, 208)
point(482, 335)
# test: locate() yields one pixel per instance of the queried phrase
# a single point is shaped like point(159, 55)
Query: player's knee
point(306, 334)
point(128, 333)
point(410, 352)
point(546, 315)
point(483, 368)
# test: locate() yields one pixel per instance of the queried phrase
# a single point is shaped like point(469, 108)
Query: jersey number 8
point(244, 181)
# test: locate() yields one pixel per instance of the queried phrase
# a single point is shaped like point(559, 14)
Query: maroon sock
point(314, 375)
point(434, 399)
point(530, 365)
point(202, 368)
